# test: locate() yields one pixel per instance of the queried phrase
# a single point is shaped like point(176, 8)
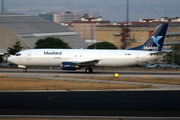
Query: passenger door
point(29, 53)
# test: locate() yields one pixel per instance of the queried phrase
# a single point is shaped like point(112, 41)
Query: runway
point(96, 73)
point(119, 103)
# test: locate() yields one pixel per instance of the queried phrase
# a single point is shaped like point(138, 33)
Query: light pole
point(172, 54)
point(127, 24)
point(2, 6)
point(173, 39)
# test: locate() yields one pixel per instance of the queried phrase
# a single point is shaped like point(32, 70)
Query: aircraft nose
point(10, 59)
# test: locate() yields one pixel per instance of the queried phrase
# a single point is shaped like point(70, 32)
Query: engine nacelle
point(68, 66)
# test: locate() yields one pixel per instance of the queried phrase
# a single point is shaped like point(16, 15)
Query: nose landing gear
point(25, 70)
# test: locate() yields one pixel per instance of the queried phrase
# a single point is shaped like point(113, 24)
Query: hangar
point(28, 29)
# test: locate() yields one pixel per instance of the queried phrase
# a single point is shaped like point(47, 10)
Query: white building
point(166, 19)
point(148, 20)
point(163, 19)
point(68, 17)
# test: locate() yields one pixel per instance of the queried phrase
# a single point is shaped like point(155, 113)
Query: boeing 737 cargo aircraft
point(72, 59)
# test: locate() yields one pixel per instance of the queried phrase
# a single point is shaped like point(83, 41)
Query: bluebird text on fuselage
point(52, 52)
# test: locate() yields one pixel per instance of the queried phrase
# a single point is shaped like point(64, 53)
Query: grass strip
point(14, 83)
point(173, 81)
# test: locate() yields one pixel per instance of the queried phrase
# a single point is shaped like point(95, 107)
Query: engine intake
point(68, 66)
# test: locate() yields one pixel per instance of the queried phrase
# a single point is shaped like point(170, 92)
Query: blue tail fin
point(155, 41)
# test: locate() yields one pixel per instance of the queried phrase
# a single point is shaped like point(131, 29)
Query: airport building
point(86, 27)
point(162, 19)
point(28, 29)
point(65, 17)
point(48, 16)
point(138, 34)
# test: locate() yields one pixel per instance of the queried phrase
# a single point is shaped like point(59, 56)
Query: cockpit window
point(17, 54)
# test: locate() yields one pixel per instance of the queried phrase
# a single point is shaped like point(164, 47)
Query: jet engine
point(68, 66)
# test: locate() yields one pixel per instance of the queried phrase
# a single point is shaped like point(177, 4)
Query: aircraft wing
point(85, 62)
point(88, 62)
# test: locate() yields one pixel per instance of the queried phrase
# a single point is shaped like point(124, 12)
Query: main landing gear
point(89, 70)
point(25, 70)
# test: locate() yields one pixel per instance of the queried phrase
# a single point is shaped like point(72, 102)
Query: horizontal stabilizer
point(160, 52)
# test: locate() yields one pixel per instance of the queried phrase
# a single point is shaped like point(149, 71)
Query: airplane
point(72, 59)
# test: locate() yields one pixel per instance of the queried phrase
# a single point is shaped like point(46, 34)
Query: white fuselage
point(107, 58)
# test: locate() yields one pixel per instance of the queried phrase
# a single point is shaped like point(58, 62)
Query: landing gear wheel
point(25, 70)
point(89, 70)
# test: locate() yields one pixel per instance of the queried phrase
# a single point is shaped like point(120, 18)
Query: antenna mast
point(2, 6)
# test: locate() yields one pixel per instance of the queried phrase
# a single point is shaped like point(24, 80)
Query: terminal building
point(28, 29)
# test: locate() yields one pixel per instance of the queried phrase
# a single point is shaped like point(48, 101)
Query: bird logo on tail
point(156, 40)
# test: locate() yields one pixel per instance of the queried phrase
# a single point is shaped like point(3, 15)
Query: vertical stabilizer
point(155, 41)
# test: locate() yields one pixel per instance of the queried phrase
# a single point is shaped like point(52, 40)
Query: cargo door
point(137, 59)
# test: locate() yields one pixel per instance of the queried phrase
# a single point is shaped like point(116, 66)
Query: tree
point(102, 45)
point(15, 48)
point(168, 57)
point(51, 42)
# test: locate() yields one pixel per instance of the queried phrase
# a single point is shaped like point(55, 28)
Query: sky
point(113, 10)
